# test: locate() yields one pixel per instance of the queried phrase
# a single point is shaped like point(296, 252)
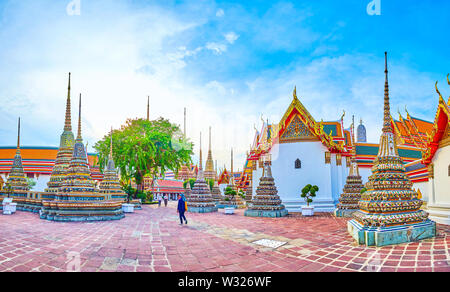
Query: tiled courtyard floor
point(151, 239)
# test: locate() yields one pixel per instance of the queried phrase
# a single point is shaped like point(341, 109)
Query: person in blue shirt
point(181, 209)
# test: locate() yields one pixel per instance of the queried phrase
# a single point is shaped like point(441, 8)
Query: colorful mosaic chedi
point(110, 185)
point(78, 198)
point(65, 150)
point(348, 202)
point(200, 199)
point(266, 202)
point(16, 178)
point(389, 211)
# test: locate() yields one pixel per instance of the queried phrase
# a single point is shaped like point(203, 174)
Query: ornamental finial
point(18, 135)
point(68, 122)
point(448, 81)
point(387, 112)
point(200, 159)
point(295, 92)
point(437, 90)
point(79, 121)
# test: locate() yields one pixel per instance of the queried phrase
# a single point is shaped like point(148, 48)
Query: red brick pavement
point(152, 240)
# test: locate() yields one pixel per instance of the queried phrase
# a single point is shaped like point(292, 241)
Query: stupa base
point(347, 213)
point(202, 209)
point(80, 216)
point(266, 213)
point(382, 236)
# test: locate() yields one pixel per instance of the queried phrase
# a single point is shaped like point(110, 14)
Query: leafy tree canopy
point(145, 148)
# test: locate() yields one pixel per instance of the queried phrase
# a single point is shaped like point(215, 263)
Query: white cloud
point(220, 12)
point(217, 48)
point(231, 37)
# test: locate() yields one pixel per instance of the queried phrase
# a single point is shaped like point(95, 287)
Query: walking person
point(159, 198)
point(181, 209)
point(166, 198)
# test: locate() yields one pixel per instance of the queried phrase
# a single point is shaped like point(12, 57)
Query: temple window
point(449, 170)
point(298, 164)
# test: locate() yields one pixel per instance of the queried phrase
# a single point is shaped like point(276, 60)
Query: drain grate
point(270, 243)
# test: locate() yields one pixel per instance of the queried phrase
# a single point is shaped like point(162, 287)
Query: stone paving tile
point(151, 240)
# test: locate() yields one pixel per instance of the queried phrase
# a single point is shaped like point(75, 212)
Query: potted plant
point(128, 207)
point(308, 192)
point(229, 193)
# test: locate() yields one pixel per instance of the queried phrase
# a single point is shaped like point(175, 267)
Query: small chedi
point(17, 184)
point(78, 199)
point(200, 199)
point(389, 211)
point(348, 202)
point(216, 193)
point(110, 185)
point(16, 178)
point(266, 202)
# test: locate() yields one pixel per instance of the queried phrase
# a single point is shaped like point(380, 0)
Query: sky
point(230, 63)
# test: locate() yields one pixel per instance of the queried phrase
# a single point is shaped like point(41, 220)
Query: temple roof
point(441, 128)
point(412, 131)
point(35, 159)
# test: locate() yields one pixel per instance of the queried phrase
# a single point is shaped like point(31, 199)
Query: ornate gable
point(297, 131)
point(297, 124)
point(439, 135)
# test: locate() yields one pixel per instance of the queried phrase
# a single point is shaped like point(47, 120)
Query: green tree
point(31, 183)
point(145, 148)
point(191, 183)
point(309, 192)
point(210, 183)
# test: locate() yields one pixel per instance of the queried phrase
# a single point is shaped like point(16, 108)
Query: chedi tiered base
point(348, 202)
point(266, 202)
point(200, 199)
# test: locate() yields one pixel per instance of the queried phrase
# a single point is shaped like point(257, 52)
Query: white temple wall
point(314, 170)
point(441, 163)
point(334, 177)
point(439, 188)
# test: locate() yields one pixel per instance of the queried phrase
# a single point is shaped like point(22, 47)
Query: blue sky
point(228, 62)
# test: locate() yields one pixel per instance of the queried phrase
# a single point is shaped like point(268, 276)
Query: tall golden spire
point(79, 121)
point(387, 111)
point(148, 108)
point(68, 121)
point(18, 135)
point(200, 160)
point(388, 147)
